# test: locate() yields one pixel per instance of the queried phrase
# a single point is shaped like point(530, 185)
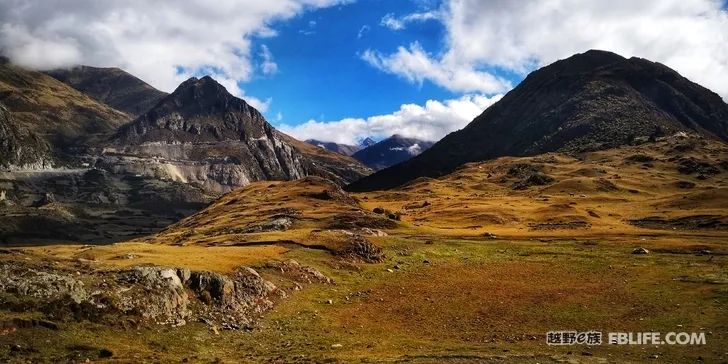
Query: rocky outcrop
point(153, 294)
point(43, 285)
point(19, 151)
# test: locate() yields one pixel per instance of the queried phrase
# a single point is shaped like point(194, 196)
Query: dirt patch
point(535, 179)
point(359, 221)
point(696, 166)
point(695, 222)
point(560, 225)
point(605, 185)
point(640, 158)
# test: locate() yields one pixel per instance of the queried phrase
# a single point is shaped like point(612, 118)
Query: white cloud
point(268, 66)
point(394, 23)
point(429, 122)
point(162, 42)
point(690, 36)
point(416, 65)
point(362, 31)
point(414, 149)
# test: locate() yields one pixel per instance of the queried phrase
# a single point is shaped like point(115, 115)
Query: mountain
point(393, 150)
point(201, 133)
point(344, 149)
point(591, 101)
point(367, 142)
point(47, 121)
point(111, 86)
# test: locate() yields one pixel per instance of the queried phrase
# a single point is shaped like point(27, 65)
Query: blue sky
point(422, 68)
point(320, 71)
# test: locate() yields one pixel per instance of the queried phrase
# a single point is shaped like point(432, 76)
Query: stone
point(640, 250)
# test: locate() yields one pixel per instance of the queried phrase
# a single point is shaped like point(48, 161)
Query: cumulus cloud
point(162, 42)
point(268, 65)
point(431, 122)
point(416, 65)
point(690, 36)
point(395, 23)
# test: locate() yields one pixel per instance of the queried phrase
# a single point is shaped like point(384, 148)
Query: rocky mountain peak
point(203, 96)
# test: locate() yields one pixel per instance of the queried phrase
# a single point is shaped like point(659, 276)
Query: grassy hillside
point(53, 111)
point(475, 266)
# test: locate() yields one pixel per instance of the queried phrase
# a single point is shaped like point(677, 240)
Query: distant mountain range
point(393, 150)
point(378, 155)
point(345, 149)
point(590, 101)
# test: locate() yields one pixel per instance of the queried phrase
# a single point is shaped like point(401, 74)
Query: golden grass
point(446, 291)
point(218, 259)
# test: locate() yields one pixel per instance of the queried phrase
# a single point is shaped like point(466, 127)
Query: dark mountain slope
point(111, 86)
point(393, 150)
point(590, 101)
point(51, 120)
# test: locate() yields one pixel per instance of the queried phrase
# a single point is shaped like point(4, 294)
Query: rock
point(46, 286)
point(282, 223)
point(640, 251)
point(330, 302)
point(278, 224)
point(393, 216)
point(47, 198)
point(336, 346)
point(157, 293)
point(243, 293)
point(299, 273)
point(372, 232)
point(378, 210)
point(490, 235)
point(358, 247)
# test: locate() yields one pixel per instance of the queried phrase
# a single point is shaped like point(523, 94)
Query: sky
point(342, 70)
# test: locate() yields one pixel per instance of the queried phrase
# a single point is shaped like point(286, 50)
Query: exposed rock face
point(112, 86)
point(20, 151)
point(156, 293)
point(591, 101)
point(201, 133)
point(43, 285)
point(393, 150)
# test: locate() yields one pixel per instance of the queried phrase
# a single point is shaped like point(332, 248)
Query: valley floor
point(448, 299)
